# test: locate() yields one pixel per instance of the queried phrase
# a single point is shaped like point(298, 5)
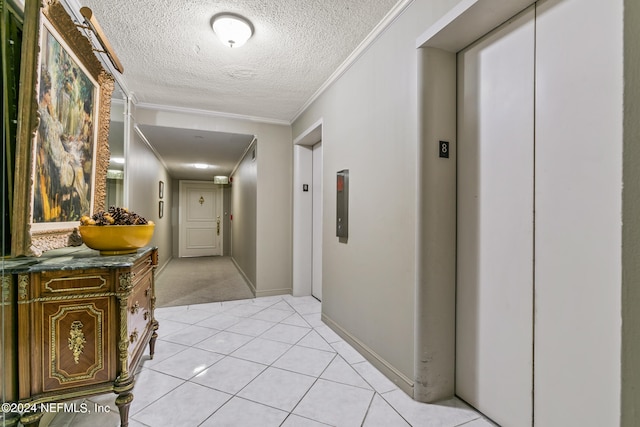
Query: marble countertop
point(71, 258)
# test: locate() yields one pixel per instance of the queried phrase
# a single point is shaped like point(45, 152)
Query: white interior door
point(494, 313)
point(200, 219)
point(316, 188)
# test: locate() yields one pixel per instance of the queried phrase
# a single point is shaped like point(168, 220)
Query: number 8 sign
point(444, 149)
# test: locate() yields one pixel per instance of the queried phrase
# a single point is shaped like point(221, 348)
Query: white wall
point(273, 233)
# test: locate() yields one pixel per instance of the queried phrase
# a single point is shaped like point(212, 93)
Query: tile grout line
point(236, 394)
point(294, 342)
point(366, 413)
point(311, 328)
point(309, 389)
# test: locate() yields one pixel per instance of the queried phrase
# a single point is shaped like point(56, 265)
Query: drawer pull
point(135, 308)
point(147, 292)
point(134, 336)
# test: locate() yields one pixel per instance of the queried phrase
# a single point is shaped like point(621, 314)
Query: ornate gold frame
point(29, 238)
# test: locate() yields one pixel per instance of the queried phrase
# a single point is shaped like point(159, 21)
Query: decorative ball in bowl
point(116, 232)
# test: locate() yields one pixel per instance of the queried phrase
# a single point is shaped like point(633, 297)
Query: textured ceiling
point(171, 56)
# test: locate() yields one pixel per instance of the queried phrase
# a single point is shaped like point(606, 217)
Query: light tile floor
point(263, 362)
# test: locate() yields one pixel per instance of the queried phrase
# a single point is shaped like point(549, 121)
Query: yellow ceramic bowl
point(116, 239)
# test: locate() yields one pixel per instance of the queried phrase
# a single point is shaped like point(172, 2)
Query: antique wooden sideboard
point(76, 324)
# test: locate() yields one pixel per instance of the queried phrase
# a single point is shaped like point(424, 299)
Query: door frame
point(303, 210)
point(316, 221)
point(435, 307)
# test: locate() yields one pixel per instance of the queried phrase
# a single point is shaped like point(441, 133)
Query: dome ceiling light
point(232, 30)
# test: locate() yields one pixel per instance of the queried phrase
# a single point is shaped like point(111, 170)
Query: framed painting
point(62, 149)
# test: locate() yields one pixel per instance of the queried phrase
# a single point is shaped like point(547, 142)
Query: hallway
point(199, 280)
point(264, 362)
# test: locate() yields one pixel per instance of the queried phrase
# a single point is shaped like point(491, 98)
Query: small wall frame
point(62, 150)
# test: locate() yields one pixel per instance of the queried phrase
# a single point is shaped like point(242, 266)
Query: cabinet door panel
point(77, 340)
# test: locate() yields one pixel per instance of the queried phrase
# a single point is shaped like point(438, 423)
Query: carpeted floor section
point(186, 281)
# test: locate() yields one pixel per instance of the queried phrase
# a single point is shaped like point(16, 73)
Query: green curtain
point(10, 50)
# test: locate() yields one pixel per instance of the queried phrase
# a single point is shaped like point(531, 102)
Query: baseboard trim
point(388, 370)
point(244, 276)
point(256, 293)
point(274, 292)
point(160, 269)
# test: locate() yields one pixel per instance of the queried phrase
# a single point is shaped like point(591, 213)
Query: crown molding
point(249, 147)
point(389, 18)
point(141, 135)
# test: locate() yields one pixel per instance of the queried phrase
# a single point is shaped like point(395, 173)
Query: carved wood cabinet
point(82, 323)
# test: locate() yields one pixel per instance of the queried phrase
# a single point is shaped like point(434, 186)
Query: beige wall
point(274, 215)
point(273, 207)
point(435, 334)
point(244, 210)
point(370, 127)
point(143, 172)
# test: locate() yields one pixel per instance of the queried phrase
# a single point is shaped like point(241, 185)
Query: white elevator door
point(494, 336)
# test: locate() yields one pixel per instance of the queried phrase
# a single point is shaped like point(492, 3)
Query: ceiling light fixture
point(232, 30)
point(200, 166)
